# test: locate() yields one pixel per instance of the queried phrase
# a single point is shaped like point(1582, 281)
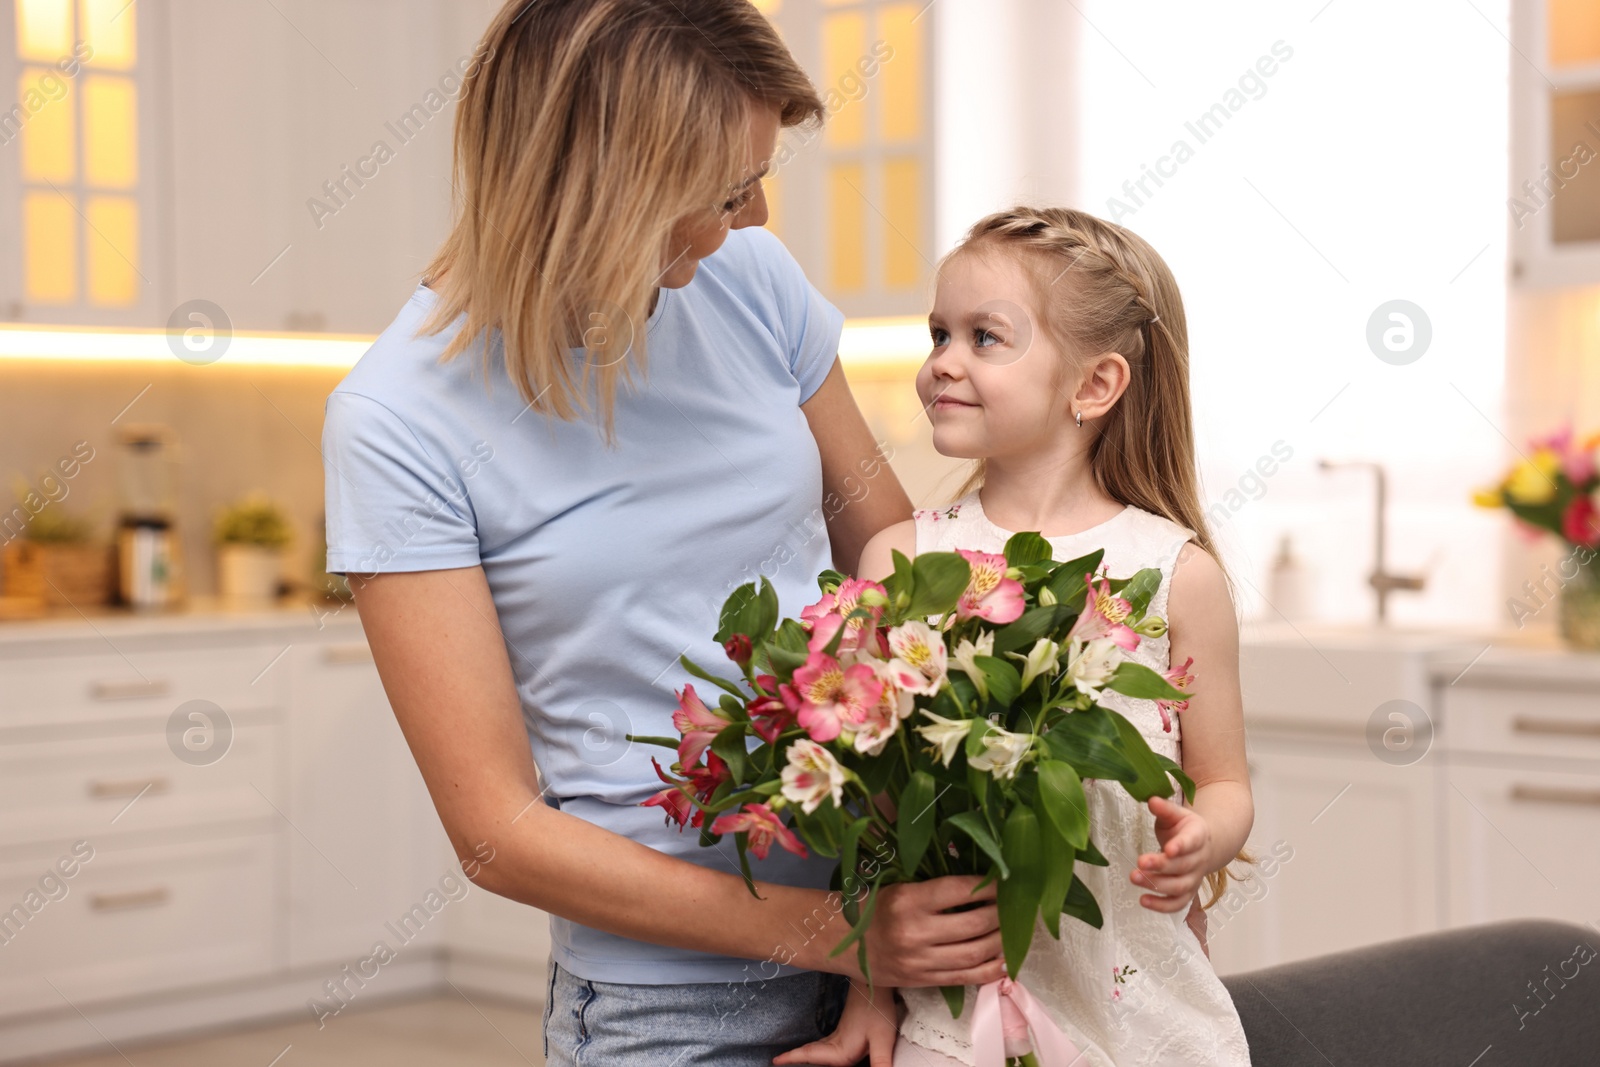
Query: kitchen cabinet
point(242, 821)
point(1350, 848)
point(238, 147)
point(1554, 195)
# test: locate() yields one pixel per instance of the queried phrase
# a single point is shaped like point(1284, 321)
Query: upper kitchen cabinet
point(288, 162)
point(1554, 198)
point(84, 235)
point(864, 182)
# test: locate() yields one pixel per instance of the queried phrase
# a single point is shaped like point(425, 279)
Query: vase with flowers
point(1556, 490)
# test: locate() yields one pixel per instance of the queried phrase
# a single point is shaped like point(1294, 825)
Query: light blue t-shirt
point(605, 564)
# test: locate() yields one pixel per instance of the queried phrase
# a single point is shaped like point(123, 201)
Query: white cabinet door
point(1353, 840)
point(1521, 842)
point(364, 859)
point(288, 213)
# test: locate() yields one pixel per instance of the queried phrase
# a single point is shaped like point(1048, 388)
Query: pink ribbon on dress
point(1003, 1020)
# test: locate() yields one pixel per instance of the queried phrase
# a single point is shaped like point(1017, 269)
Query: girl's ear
point(1103, 384)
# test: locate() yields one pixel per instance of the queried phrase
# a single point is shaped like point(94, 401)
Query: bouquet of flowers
point(1556, 489)
point(946, 717)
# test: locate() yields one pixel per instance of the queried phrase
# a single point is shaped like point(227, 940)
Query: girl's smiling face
point(994, 383)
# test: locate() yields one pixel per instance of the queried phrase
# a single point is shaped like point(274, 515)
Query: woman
point(529, 578)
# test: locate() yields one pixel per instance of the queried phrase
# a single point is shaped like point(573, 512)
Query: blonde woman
point(613, 399)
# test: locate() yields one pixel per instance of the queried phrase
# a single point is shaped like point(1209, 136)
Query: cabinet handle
point(138, 898)
point(129, 690)
point(128, 787)
point(1532, 724)
point(1556, 794)
point(354, 652)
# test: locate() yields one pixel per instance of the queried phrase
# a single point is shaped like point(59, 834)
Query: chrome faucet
point(1382, 581)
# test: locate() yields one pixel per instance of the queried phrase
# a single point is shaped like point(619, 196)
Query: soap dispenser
point(1289, 584)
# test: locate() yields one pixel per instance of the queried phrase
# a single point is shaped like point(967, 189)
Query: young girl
point(1060, 363)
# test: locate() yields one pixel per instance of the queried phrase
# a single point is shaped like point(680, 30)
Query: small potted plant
point(56, 561)
point(250, 534)
point(1556, 490)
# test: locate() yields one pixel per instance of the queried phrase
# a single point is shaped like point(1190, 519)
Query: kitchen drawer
point(1521, 843)
point(1521, 722)
point(136, 921)
point(94, 786)
point(72, 689)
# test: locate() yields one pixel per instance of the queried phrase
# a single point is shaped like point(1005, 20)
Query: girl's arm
point(859, 489)
point(1202, 624)
point(445, 667)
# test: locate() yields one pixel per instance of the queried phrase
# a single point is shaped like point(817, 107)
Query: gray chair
point(1525, 991)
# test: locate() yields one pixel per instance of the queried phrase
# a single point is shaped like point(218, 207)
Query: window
point(78, 168)
point(854, 203)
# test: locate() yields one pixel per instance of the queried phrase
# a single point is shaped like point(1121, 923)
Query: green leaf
point(1063, 803)
point(1005, 684)
point(1088, 741)
point(954, 997)
point(705, 675)
point(847, 867)
point(829, 577)
point(939, 580)
point(1031, 625)
point(1140, 589)
point(1136, 680)
point(1059, 858)
point(665, 742)
point(915, 818)
point(1152, 780)
point(741, 842)
point(1089, 854)
point(1066, 582)
point(860, 926)
point(1080, 904)
point(972, 824)
point(1027, 547)
point(1017, 896)
point(730, 744)
point(768, 617)
point(1173, 768)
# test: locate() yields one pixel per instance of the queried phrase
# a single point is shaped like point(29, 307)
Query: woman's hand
point(1177, 870)
point(914, 941)
point(868, 1027)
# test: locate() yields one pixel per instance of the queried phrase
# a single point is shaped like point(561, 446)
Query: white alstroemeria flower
point(965, 654)
point(1002, 753)
point(1092, 663)
point(946, 735)
point(919, 659)
point(811, 775)
point(1043, 655)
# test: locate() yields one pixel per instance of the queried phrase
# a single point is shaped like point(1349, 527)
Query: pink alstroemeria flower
point(674, 799)
point(1105, 615)
point(826, 696)
point(769, 715)
point(763, 826)
point(1180, 677)
point(697, 723)
point(828, 614)
point(989, 593)
point(1578, 463)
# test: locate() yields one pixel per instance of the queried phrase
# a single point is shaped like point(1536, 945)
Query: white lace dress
point(1139, 991)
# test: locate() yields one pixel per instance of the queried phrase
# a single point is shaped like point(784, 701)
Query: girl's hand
point(868, 1027)
point(1176, 871)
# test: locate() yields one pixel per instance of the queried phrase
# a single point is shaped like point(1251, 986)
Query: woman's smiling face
point(994, 383)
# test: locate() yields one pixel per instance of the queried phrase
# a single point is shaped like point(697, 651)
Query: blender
point(148, 570)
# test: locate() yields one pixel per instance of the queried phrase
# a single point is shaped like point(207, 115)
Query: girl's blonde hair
point(1101, 288)
point(591, 128)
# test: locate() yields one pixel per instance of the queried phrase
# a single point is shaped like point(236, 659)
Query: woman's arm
point(860, 492)
point(437, 643)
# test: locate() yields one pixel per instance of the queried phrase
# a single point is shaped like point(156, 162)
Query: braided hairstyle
point(1101, 288)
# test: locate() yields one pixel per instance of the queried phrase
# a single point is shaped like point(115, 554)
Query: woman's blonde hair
point(1101, 288)
point(588, 132)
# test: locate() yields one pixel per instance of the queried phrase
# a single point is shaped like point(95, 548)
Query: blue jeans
point(726, 1024)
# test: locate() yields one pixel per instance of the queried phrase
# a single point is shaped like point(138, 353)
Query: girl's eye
point(981, 334)
point(937, 334)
